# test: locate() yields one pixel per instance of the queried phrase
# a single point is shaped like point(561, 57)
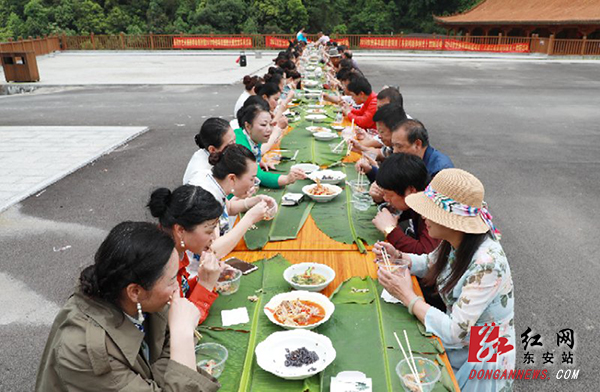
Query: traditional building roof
point(524, 12)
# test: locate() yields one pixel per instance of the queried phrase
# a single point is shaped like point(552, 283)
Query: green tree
point(37, 21)
point(90, 17)
point(117, 20)
point(223, 15)
point(294, 17)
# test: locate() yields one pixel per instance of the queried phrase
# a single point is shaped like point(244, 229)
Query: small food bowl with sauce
point(211, 357)
point(299, 309)
point(229, 281)
point(322, 193)
point(309, 276)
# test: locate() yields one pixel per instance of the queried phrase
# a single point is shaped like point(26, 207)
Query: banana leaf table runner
point(339, 220)
point(242, 373)
point(286, 224)
point(362, 324)
point(362, 332)
point(311, 150)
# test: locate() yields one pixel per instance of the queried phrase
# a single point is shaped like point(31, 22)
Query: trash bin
point(20, 67)
point(243, 60)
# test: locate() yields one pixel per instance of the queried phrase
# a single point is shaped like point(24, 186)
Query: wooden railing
point(550, 46)
point(38, 45)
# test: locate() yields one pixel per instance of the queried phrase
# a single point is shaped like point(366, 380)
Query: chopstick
point(411, 361)
point(386, 259)
point(198, 335)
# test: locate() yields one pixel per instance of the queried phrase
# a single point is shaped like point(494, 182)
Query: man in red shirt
point(360, 90)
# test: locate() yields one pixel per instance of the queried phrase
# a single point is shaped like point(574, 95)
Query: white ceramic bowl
point(301, 295)
point(306, 167)
point(298, 269)
point(270, 353)
point(315, 111)
point(322, 198)
point(338, 127)
point(316, 117)
point(325, 136)
point(311, 83)
point(315, 106)
point(314, 129)
point(328, 176)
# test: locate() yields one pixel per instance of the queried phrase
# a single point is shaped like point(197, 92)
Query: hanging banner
point(276, 43)
point(212, 42)
point(342, 41)
point(451, 44)
point(438, 44)
point(400, 43)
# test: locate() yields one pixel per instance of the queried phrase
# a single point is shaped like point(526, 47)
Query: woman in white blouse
point(215, 134)
point(234, 173)
point(249, 83)
point(470, 271)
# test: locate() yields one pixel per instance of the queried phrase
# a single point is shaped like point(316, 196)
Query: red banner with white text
point(341, 41)
point(450, 44)
point(438, 44)
point(276, 43)
point(400, 43)
point(212, 42)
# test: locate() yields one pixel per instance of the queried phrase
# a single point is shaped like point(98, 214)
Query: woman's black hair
point(252, 107)
point(269, 89)
point(250, 81)
point(400, 171)
point(232, 160)
point(274, 70)
point(274, 78)
point(187, 206)
point(293, 74)
point(211, 133)
point(133, 252)
point(463, 256)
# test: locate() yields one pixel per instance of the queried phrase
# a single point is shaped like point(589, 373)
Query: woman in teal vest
point(255, 122)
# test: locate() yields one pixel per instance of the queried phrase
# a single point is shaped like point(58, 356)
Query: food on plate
point(321, 190)
point(300, 357)
point(252, 298)
point(309, 278)
point(298, 312)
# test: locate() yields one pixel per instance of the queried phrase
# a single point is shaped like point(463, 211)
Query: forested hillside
point(38, 17)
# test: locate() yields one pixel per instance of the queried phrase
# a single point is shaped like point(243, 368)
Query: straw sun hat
point(454, 199)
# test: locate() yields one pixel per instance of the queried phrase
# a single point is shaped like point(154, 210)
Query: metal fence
point(536, 44)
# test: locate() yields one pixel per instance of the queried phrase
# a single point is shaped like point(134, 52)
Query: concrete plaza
point(528, 129)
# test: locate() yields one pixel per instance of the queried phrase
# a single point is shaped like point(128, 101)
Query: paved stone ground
point(75, 68)
point(529, 130)
point(32, 158)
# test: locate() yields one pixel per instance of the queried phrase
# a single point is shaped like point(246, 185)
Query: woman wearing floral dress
point(470, 271)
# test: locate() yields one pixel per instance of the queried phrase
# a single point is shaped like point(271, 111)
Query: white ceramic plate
point(328, 176)
point(338, 127)
point(311, 83)
point(270, 353)
point(317, 298)
point(315, 111)
point(325, 136)
point(306, 167)
point(298, 269)
point(318, 129)
point(322, 198)
point(316, 117)
point(315, 106)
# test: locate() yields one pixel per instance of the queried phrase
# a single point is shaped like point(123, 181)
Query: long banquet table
point(312, 245)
